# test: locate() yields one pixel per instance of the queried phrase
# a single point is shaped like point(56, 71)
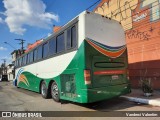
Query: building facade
point(10, 72)
point(141, 22)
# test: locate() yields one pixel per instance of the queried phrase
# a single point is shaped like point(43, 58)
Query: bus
point(85, 62)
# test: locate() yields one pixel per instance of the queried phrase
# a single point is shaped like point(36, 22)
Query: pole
point(3, 69)
point(22, 43)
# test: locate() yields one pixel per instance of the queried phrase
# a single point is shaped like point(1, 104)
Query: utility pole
point(3, 67)
point(22, 43)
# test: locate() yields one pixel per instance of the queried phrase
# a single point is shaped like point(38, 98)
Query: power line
point(141, 12)
point(129, 8)
point(93, 5)
point(10, 45)
point(124, 9)
point(133, 14)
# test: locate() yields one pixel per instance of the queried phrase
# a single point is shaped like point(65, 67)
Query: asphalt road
point(17, 99)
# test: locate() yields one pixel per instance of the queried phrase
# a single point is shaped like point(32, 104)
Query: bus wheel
point(44, 90)
point(55, 92)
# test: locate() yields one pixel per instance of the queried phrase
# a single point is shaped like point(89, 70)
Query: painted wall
point(141, 22)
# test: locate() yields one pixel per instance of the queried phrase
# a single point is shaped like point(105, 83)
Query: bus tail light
point(87, 77)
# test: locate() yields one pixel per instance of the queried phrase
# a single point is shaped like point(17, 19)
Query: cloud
point(1, 21)
point(2, 48)
point(27, 12)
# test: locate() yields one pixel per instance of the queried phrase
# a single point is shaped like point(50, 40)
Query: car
point(4, 78)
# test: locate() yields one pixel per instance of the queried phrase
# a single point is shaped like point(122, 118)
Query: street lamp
point(10, 45)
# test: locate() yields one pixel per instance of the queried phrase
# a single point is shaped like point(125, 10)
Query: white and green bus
point(85, 61)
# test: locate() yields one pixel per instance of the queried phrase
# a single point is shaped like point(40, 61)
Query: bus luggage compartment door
point(107, 71)
point(68, 87)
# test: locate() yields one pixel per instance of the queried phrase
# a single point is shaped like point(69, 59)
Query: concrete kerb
point(152, 102)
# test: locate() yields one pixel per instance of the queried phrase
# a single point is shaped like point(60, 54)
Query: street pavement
point(17, 99)
point(138, 96)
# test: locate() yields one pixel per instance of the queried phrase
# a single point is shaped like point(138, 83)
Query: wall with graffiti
point(141, 22)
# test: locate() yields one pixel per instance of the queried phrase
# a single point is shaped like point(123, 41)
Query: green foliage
point(146, 86)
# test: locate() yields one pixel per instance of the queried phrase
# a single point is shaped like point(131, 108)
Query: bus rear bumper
point(104, 93)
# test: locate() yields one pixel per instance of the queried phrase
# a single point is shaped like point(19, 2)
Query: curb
point(141, 100)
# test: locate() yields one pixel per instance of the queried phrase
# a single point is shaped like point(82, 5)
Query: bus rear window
point(109, 64)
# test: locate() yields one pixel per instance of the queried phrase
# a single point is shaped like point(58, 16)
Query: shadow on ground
point(107, 105)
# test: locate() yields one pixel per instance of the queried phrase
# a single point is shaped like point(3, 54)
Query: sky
point(32, 20)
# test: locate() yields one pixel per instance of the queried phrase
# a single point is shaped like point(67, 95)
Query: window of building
point(39, 53)
point(45, 50)
point(71, 37)
point(60, 43)
point(52, 47)
point(35, 55)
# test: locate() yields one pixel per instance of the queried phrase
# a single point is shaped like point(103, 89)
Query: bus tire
point(55, 92)
point(44, 90)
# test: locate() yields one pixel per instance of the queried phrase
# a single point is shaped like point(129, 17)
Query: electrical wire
point(93, 5)
point(124, 9)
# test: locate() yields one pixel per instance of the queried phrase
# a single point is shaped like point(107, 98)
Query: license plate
point(115, 77)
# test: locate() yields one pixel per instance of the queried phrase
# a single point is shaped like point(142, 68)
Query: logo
point(6, 114)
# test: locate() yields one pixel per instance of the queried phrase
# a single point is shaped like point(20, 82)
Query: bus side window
point(31, 57)
point(25, 60)
point(35, 55)
point(52, 47)
point(28, 58)
point(71, 37)
point(15, 63)
point(20, 61)
point(39, 52)
point(45, 50)
point(60, 43)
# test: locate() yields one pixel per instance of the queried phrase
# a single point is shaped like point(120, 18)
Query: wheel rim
point(43, 89)
point(55, 91)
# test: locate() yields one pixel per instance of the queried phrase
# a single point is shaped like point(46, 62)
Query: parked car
point(4, 78)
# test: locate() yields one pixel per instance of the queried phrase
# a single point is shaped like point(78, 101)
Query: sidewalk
point(137, 96)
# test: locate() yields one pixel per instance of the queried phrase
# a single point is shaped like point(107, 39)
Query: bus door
point(107, 71)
